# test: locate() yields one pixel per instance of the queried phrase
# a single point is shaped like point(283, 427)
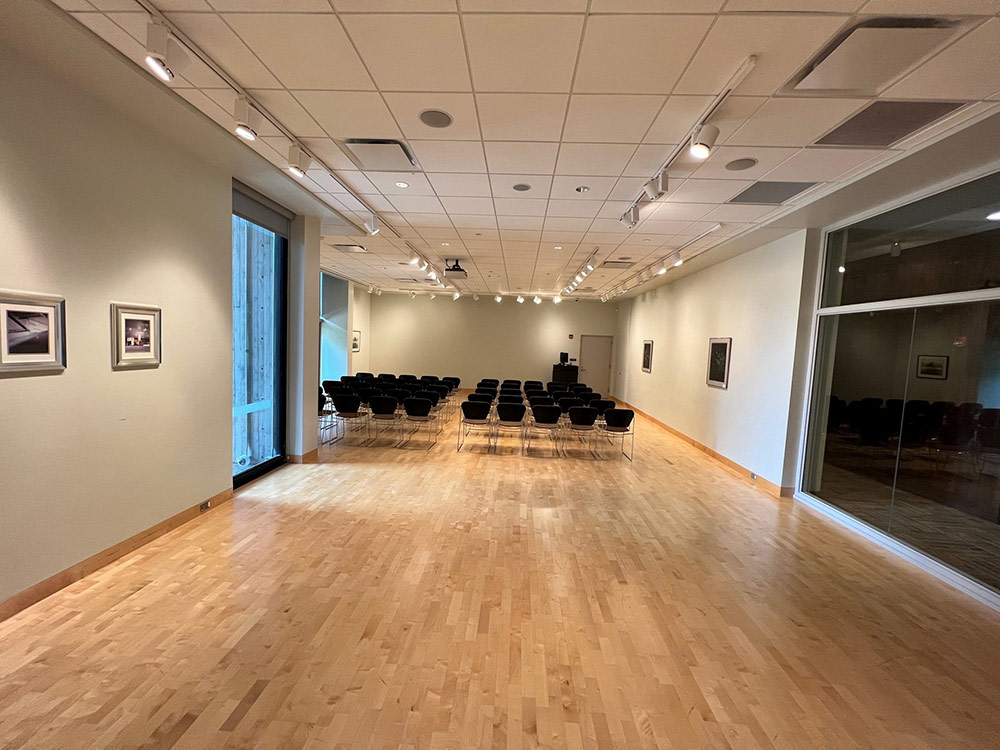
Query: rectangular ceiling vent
point(882, 123)
point(868, 57)
point(616, 264)
point(351, 248)
point(771, 193)
point(380, 155)
point(407, 281)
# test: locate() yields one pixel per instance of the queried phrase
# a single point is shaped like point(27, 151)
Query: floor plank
point(404, 598)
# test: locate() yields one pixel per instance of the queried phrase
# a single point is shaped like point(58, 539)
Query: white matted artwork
point(135, 332)
point(32, 333)
point(718, 362)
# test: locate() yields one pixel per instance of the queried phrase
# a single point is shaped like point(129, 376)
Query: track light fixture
point(520, 300)
point(663, 270)
point(413, 295)
point(703, 140)
point(414, 259)
point(245, 118)
point(537, 300)
point(456, 295)
point(298, 161)
point(423, 264)
point(498, 299)
point(590, 265)
point(371, 289)
point(432, 275)
point(378, 292)
point(164, 56)
point(678, 262)
point(578, 278)
point(656, 187)
point(556, 300)
point(475, 298)
point(372, 226)
point(631, 217)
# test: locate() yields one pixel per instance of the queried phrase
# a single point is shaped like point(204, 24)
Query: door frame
point(611, 354)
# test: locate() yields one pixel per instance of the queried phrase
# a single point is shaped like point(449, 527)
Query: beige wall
point(752, 298)
point(359, 319)
point(474, 339)
point(100, 211)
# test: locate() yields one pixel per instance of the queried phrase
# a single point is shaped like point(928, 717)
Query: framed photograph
point(647, 356)
point(932, 366)
point(135, 336)
point(718, 362)
point(32, 333)
point(355, 341)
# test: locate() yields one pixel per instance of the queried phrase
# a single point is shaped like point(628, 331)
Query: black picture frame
point(647, 356)
point(719, 352)
point(932, 366)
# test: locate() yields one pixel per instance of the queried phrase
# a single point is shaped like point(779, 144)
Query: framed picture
point(718, 362)
point(32, 333)
point(647, 356)
point(355, 341)
point(135, 336)
point(932, 366)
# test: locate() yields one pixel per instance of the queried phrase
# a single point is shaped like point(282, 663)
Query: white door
point(595, 362)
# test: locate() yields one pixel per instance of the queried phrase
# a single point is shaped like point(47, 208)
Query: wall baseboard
point(74, 573)
point(306, 458)
point(742, 472)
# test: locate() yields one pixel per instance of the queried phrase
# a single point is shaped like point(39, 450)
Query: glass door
point(258, 350)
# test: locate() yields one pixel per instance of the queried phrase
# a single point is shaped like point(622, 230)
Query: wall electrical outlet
point(205, 506)
point(752, 475)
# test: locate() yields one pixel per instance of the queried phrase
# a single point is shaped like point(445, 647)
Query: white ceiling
point(552, 93)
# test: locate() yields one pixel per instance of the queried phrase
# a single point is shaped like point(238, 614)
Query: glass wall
point(904, 427)
point(258, 349)
point(333, 334)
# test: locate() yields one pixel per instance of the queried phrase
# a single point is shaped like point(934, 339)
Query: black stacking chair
point(529, 383)
point(386, 376)
point(429, 395)
point(400, 394)
point(602, 405)
point(558, 392)
point(349, 412)
point(544, 420)
point(418, 414)
point(383, 412)
point(452, 381)
point(481, 398)
point(618, 425)
point(552, 383)
point(513, 383)
point(365, 375)
point(565, 404)
point(475, 416)
point(430, 378)
point(588, 397)
point(487, 392)
point(540, 401)
point(510, 398)
point(326, 419)
point(581, 423)
point(509, 418)
point(366, 394)
point(406, 378)
point(576, 387)
point(491, 382)
point(348, 378)
point(442, 391)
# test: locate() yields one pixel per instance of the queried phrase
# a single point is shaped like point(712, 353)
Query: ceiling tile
point(675, 211)
point(349, 114)
point(594, 158)
point(386, 183)
point(767, 158)
point(566, 187)
point(519, 235)
point(965, 70)
point(519, 157)
point(668, 228)
point(637, 54)
point(794, 6)
point(423, 221)
point(503, 185)
point(564, 225)
point(794, 122)
point(739, 213)
point(534, 6)
point(532, 52)
point(656, 6)
point(327, 182)
point(468, 221)
point(396, 49)
point(388, 6)
point(626, 188)
point(356, 181)
point(279, 38)
point(610, 118)
point(461, 184)
point(782, 44)
point(467, 205)
point(520, 206)
point(707, 191)
point(579, 209)
point(287, 110)
point(822, 164)
point(210, 32)
point(520, 222)
point(417, 203)
point(407, 107)
point(521, 117)
point(328, 151)
point(647, 160)
point(931, 7)
point(450, 156)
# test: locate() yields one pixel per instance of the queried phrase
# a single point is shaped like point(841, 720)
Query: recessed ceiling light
point(995, 216)
point(738, 165)
point(436, 118)
point(557, 247)
point(583, 189)
point(445, 244)
point(522, 187)
point(402, 184)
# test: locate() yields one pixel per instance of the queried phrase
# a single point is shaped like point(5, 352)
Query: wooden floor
point(390, 598)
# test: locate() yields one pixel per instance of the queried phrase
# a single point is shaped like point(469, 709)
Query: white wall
point(473, 339)
point(359, 319)
point(99, 212)
point(753, 298)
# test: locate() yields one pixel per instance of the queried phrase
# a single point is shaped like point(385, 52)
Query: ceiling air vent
point(771, 193)
point(616, 264)
point(882, 123)
point(867, 58)
point(379, 155)
point(351, 248)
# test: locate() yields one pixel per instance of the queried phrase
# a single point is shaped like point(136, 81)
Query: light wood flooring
point(401, 598)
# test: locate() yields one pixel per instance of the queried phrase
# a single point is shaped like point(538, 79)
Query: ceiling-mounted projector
point(455, 271)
